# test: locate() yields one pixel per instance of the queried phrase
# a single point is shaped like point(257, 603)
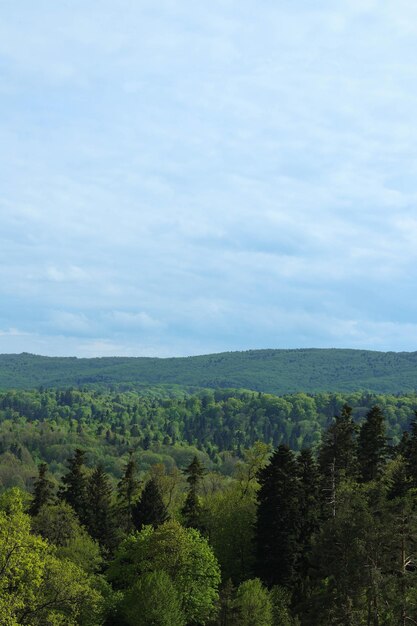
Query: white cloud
point(67, 274)
point(139, 320)
point(186, 174)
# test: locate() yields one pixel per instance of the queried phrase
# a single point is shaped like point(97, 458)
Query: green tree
point(372, 448)
point(278, 520)
point(74, 485)
point(309, 520)
point(229, 518)
point(344, 562)
point(253, 604)
point(338, 454)
point(410, 452)
point(191, 511)
point(153, 601)
point(150, 508)
point(43, 490)
point(37, 588)
point(59, 525)
point(183, 554)
point(100, 513)
point(127, 490)
point(281, 601)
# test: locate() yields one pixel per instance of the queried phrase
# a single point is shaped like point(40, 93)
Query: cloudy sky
point(184, 177)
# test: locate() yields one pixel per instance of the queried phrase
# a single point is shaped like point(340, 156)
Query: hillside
point(271, 371)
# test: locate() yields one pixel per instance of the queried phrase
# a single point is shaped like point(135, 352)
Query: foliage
point(153, 601)
point(253, 606)
point(183, 554)
point(36, 587)
point(59, 525)
point(271, 371)
point(118, 428)
point(150, 508)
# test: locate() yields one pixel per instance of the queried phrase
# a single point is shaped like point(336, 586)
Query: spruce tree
point(338, 453)
point(74, 485)
point(191, 511)
point(150, 508)
point(309, 503)
point(372, 448)
point(127, 489)
point(278, 521)
point(43, 489)
point(100, 518)
point(410, 451)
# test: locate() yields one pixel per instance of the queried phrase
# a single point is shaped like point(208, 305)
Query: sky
point(186, 177)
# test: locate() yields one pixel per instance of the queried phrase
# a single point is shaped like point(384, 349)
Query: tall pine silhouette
point(127, 489)
point(100, 514)
point(74, 485)
point(150, 508)
point(42, 492)
point(191, 511)
point(278, 520)
point(410, 452)
point(339, 451)
point(372, 449)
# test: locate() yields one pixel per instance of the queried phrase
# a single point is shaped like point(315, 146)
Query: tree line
point(308, 538)
point(47, 425)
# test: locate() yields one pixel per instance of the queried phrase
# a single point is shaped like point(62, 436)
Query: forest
point(269, 371)
point(217, 508)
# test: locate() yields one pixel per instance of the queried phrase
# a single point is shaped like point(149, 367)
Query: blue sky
point(189, 177)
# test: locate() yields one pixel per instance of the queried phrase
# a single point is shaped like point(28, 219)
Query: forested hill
point(270, 371)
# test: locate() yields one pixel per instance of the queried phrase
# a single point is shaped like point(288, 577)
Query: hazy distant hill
point(273, 371)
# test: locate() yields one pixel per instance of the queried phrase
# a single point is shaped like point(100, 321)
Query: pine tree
point(309, 503)
point(410, 451)
point(191, 511)
point(372, 449)
point(100, 518)
point(278, 522)
point(339, 451)
point(43, 489)
point(127, 489)
point(150, 508)
point(74, 487)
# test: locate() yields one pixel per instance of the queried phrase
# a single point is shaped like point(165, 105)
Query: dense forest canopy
point(270, 371)
point(255, 535)
point(46, 425)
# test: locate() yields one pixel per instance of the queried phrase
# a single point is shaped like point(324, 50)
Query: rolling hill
point(271, 371)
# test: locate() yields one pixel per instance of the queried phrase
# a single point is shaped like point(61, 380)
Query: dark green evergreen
point(150, 508)
point(338, 453)
point(74, 485)
point(42, 490)
point(310, 519)
point(191, 511)
point(278, 521)
point(372, 445)
point(100, 512)
point(127, 489)
point(409, 445)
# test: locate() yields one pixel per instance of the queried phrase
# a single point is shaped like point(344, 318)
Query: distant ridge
point(272, 371)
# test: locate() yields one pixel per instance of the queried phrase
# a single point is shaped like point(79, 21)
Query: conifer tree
point(410, 451)
point(309, 503)
point(43, 489)
point(372, 447)
point(338, 453)
point(74, 485)
point(127, 489)
point(191, 511)
point(100, 518)
point(278, 520)
point(150, 508)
